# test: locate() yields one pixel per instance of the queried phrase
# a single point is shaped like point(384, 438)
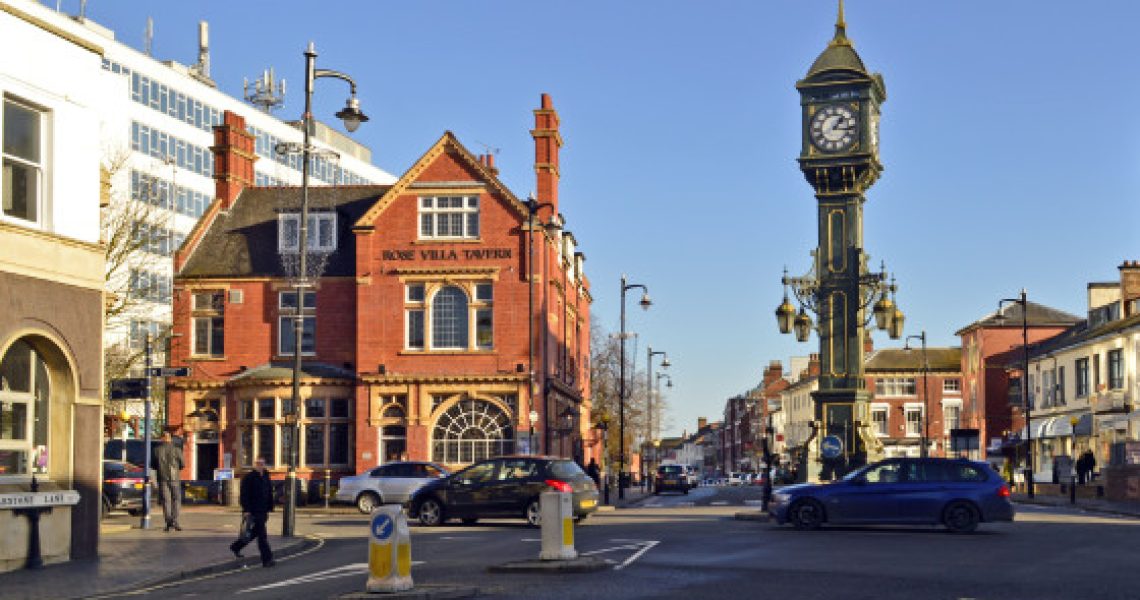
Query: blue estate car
point(957, 493)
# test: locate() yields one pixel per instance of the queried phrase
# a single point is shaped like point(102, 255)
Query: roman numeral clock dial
point(833, 128)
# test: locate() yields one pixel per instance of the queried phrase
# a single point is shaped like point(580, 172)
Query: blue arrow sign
point(831, 446)
point(382, 527)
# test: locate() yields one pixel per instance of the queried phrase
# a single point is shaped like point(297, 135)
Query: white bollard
point(557, 526)
point(389, 551)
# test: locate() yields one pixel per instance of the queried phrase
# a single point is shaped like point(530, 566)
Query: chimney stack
point(813, 365)
point(233, 158)
point(547, 142)
point(868, 343)
point(1129, 286)
point(702, 423)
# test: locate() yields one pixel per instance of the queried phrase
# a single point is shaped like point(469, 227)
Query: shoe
point(177, 527)
point(167, 528)
point(271, 563)
point(237, 553)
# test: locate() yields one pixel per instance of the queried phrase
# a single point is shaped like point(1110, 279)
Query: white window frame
point(285, 316)
point(428, 206)
point(426, 307)
point(203, 313)
point(885, 409)
point(951, 404)
point(40, 168)
point(896, 387)
point(316, 221)
point(908, 410)
point(28, 399)
point(952, 386)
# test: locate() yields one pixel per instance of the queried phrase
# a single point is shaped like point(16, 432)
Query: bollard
point(557, 526)
point(328, 489)
point(389, 551)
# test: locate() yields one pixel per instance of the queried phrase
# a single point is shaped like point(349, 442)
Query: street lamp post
point(533, 416)
point(925, 390)
point(645, 304)
point(604, 427)
point(1023, 301)
point(649, 354)
point(533, 206)
point(352, 117)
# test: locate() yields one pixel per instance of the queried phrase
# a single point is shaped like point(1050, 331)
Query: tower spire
point(840, 28)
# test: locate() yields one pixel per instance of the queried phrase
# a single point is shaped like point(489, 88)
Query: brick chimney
point(868, 343)
point(1129, 285)
point(813, 365)
point(773, 372)
point(702, 423)
point(233, 159)
point(547, 142)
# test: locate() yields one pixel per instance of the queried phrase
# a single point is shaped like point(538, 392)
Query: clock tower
point(839, 158)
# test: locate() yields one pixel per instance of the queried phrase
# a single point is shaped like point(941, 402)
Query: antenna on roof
point(148, 37)
point(488, 149)
point(267, 93)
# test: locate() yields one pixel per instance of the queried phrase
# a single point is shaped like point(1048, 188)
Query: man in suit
point(168, 460)
point(256, 504)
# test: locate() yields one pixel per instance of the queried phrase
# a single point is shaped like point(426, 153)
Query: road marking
point(754, 503)
point(458, 537)
point(684, 504)
point(532, 539)
point(719, 503)
point(636, 555)
point(641, 546)
point(345, 571)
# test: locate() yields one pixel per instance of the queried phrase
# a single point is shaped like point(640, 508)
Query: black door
point(207, 461)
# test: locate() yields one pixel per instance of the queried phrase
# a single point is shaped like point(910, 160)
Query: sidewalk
point(1097, 505)
point(633, 497)
point(130, 557)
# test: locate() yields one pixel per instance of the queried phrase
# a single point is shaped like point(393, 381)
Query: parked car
point(692, 476)
point(734, 479)
point(507, 486)
point(670, 477)
point(957, 493)
point(391, 483)
point(133, 450)
point(123, 485)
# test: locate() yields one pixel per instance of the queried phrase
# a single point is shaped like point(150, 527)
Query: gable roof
point(447, 143)
point(898, 359)
point(242, 242)
point(1037, 315)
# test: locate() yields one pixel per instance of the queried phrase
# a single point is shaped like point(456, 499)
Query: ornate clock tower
point(840, 160)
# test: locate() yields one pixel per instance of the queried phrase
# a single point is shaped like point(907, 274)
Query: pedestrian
point(168, 459)
point(256, 504)
point(1090, 464)
point(594, 472)
point(1007, 470)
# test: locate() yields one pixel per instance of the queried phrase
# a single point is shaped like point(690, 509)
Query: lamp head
point(669, 383)
point(351, 114)
point(883, 311)
point(895, 329)
point(665, 364)
point(645, 301)
point(802, 326)
point(785, 315)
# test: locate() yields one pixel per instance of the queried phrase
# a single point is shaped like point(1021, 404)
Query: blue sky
point(1010, 139)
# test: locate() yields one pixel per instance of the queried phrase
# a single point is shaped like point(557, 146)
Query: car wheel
point(806, 514)
point(431, 513)
point(470, 521)
point(960, 517)
point(581, 518)
point(367, 502)
point(533, 514)
point(686, 490)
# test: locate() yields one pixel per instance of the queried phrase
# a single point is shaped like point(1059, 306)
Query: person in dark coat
point(256, 504)
point(595, 473)
point(168, 463)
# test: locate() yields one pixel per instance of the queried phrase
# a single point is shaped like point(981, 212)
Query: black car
point(122, 487)
point(508, 486)
point(670, 477)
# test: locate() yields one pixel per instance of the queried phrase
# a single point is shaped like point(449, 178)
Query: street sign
point(382, 527)
point(831, 447)
point(169, 371)
point(128, 388)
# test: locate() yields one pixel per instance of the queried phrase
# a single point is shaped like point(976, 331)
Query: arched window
point(449, 319)
point(23, 411)
point(472, 430)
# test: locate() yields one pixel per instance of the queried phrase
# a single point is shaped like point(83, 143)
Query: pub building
point(415, 338)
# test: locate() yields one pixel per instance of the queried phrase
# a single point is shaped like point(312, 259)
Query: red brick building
point(911, 402)
point(416, 334)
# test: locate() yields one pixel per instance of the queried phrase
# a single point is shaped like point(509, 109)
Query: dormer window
point(449, 217)
point(321, 234)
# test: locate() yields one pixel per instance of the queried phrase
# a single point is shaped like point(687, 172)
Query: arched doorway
point(25, 411)
point(472, 430)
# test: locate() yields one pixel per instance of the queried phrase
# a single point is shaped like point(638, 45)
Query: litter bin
point(231, 491)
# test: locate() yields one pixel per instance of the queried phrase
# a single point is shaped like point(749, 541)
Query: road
point(689, 546)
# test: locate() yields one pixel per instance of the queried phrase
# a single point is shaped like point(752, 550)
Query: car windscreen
point(565, 469)
point(670, 469)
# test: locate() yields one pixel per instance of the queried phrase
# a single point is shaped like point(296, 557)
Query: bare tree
point(604, 373)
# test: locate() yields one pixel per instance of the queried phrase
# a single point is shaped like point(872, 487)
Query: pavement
point(1092, 505)
point(131, 558)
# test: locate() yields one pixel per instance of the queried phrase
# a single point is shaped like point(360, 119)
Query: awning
point(1059, 427)
point(1084, 425)
point(1109, 422)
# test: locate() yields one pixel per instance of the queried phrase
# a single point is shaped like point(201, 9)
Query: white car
point(391, 483)
point(734, 479)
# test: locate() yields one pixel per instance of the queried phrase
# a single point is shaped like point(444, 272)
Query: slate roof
point(897, 359)
point(243, 241)
point(284, 370)
point(1038, 315)
point(1081, 333)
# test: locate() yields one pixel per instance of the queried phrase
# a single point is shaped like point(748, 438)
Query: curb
point(421, 592)
point(753, 516)
point(582, 564)
point(1091, 509)
point(295, 547)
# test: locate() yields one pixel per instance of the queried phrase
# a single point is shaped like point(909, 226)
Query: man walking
point(168, 459)
point(256, 504)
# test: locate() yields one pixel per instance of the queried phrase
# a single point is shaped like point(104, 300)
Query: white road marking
point(532, 539)
point(458, 537)
point(636, 555)
point(718, 503)
point(754, 503)
point(345, 571)
point(685, 504)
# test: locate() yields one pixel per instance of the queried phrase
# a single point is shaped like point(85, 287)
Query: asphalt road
point(689, 546)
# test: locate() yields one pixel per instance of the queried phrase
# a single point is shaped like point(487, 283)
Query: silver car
point(391, 483)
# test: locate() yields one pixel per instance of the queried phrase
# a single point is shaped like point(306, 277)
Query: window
point(1060, 387)
point(209, 324)
point(449, 217)
point(895, 386)
point(1116, 369)
point(472, 430)
point(913, 421)
point(1096, 372)
point(264, 431)
point(23, 161)
point(952, 386)
point(449, 319)
point(884, 473)
point(951, 417)
point(286, 325)
point(320, 237)
point(879, 420)
point(1048, 388)
point(23, 412)
point(1082, 377)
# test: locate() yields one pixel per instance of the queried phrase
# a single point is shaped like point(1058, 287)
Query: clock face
point(834, 128)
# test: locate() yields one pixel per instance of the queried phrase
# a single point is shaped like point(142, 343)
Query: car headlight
point(780, 498)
